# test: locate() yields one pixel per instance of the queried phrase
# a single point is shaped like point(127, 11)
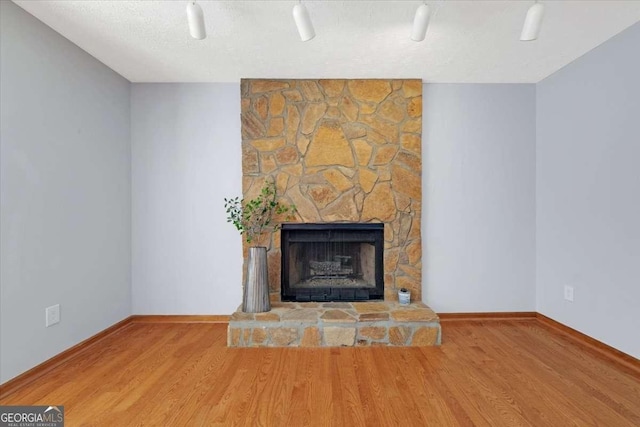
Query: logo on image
point(31, 416)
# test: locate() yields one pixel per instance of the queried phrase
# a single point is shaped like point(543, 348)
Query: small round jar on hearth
point(404, 296)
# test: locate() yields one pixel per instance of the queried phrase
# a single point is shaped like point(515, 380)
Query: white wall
point(65, 194)
point(479, 196)
point(588, 193)
point(186, 158)
point(479, 192)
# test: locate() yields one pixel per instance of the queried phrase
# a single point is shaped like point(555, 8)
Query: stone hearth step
point(336, 324)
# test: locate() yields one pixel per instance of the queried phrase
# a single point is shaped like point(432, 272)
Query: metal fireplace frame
point(322, 232)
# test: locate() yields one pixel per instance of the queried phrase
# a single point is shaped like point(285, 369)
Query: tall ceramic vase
point(256, 286)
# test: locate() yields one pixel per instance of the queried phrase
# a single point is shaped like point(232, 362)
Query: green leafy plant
point(254, 217)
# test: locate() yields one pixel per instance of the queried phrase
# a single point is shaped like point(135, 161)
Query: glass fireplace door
point(332, 262)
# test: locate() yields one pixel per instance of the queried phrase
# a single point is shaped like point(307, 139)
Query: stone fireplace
point(332, 262)
point(342, 151)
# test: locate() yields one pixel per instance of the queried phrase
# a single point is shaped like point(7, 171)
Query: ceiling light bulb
point(532, 23)
point(303, 22)
point(196, 21)
point(420, 23)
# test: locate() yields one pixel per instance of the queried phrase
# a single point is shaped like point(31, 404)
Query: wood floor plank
point(351, 400)
point(430, 400)
point(404, 408)
point(486, 373)
point(584, 378)
point(369, 385)
point(566, 402)
point(510, 372)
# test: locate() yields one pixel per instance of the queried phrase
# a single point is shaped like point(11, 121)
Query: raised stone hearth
point(336, 324)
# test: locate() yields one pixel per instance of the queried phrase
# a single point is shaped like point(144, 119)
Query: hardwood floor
point(486, 373)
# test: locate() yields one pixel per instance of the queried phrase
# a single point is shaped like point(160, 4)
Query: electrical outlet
point(52, 315)
point(568, 293)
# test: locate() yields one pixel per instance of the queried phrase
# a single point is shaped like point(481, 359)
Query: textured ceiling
point(467, 42)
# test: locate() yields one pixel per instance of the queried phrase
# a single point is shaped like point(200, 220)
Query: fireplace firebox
point(332, 262)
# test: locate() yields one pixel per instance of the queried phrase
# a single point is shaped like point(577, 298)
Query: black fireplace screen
point(332, 262)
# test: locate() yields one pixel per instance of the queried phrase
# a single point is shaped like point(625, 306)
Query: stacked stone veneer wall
point(341, 150)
